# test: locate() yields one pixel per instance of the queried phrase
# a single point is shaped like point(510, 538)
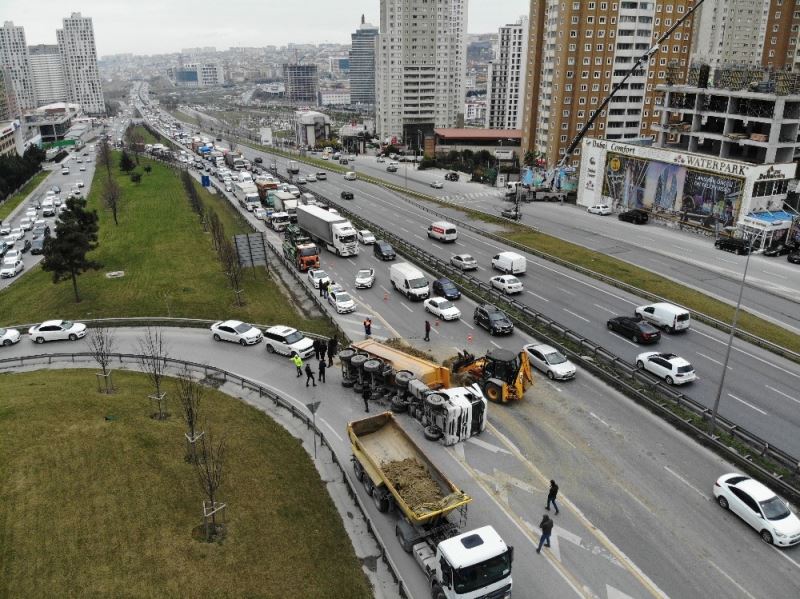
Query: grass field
point(182, 116)
point(170, 266)
point(15, 200)
point(148, 137)
point(96, 508)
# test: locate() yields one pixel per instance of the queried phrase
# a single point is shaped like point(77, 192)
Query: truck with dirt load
point(400, 478)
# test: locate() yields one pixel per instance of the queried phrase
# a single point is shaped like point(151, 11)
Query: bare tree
point(154, 358)
point(210, 465)
point(102, 345)
point(232, 268)
point(190, 393)
point(104, 156)
point(111, 195)
point(217, 230)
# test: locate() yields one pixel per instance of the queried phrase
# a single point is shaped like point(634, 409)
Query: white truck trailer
point(332, 231)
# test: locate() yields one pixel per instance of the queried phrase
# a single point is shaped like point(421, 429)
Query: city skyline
point(172, 27)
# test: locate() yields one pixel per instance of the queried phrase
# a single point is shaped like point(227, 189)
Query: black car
point(493, 319)
point(346, 195)
point(778, 249)
point(40, 231)
point(391, 169)
point(635, 216)
point(638, 331)
point(219, 139)
point(4, 247)
point(451, 177)
point(258, 159)
point(37, 245)
point(26, 245)
point(732, 244)
point(445, 288)
point(383, 250)
point(794, 257)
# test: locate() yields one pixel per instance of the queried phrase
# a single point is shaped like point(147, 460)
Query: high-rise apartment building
point(362, 64)
point(505, 80)
point(14, 58)
point(79, 63)
point(420, 68)
point(302, 82)
point(8, 101)
point(47, 74)
point(578, 51)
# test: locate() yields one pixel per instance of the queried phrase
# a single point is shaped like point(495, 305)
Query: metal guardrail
point(249, 385)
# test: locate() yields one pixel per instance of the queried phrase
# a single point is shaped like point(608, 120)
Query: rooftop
point(484, 134)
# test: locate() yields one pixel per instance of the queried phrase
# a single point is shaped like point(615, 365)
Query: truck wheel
point(381, 500)
point(432, 433)
point(405, 544)
point(434, 400)
point(398, 406)
point(368, 486)
point(358, 469)
point(438, 593)
point(493, 392)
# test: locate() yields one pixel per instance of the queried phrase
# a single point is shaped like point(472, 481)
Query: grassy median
point(15, 200)
point(106, 508)
point(170, 266)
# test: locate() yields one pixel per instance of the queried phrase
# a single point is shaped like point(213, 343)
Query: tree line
point(16, 170)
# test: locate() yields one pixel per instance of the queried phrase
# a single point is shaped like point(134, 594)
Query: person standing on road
point(551, 496)
point(366, 395)
point(317, 343)
point(547, 528)
point(367, 326)
point(427, 330)
point(322, 285)
point(298, 363)
point(323, 348)
point(310, 375)
point(322, 366)
point(333, 343)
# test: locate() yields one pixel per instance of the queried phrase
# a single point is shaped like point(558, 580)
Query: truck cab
point(279, 221)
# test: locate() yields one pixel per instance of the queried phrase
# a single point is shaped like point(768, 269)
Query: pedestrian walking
point(367, 326)
point(317, 343)
point(333, 343)
point(298, 362)
point(322, 366)
point(310, 375)
point(551, 496)
point(427, 330)
point(323, 348)
point(366, 395)
point(322, 288)
point(547, 528)
point(324, 285)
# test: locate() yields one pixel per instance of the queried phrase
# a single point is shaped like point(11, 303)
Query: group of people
point(324, 288)
point(321, 349)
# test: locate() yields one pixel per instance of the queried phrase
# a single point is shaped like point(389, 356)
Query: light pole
point(715, 409)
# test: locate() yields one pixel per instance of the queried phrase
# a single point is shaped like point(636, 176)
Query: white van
point(509, 262)
point(48, 208)
point(666, 316)
point(443, 231)
point(350, 176)
point(409, 280)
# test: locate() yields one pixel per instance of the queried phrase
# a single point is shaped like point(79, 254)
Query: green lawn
point(97, 508)
point(182, 116)
point(148, 137)
point(170, 266)
point(15, 200)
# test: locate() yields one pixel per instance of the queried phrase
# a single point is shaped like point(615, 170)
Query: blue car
point(445, 288)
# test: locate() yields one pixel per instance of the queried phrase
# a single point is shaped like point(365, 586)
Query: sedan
point(365, 278)
point(12, 256)
point(437, 184)
point(311, 177)
point(366, 237)
point(673, 369)
point(11, 270)
point(794, 257)
point(550, 361)
point(635, 216)
point(341, 301)
point(9, 337)
point(79, 183)
point(346, 195)
point(236, 332)
point(638, 331)
point(83, 167)
point(506, 283)
point(318, 277)
point(31, 213)
point(759, 507)
point(302, 180)
point(442, 308)
point(57, 330)
point(446, 288)
point(464, 262)
point(37, 245)
point(601, 209)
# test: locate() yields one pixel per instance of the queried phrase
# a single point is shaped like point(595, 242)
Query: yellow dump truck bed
point(378, 440)
point(430, 373)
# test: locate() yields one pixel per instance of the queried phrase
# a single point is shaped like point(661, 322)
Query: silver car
point(550, 361)
point(365, 278)
point(464, 262)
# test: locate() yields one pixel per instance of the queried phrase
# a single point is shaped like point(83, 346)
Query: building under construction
point(302, 83)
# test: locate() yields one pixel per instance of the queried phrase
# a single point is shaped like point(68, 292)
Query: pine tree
point(125, 162)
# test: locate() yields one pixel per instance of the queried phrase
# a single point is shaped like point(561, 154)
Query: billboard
point(673, 188)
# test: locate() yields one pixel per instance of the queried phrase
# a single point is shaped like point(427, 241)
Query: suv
point(635, 216)
point(346, 195)
point(732, 244)
point(493, 319)
point(673, 369)
point(511, 213)
point(383, 250)
point(288, 341)
point(451, 177)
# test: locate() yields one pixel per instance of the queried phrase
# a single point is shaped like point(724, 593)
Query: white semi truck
point(332, 231)
point(247, 194)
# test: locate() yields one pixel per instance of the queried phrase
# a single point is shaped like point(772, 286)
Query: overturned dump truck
point(400, 478)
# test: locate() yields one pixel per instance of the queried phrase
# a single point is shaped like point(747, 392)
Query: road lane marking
point(350, 260)
point(748, 354)
point(680, 247)
point(717, 362)
point(749, 405)
point(464, 322)
point(544, 299)
point(564, 290)
point(493, 343)
point(731, 580)
point(419, 237)
point(773, 274)
point(404, 229)
point(575, 315)
point(728, 261)
point(782, 552)
point(593, 415)
point(333, 430)
point(687, 483)
point(487, 446)
point(587, 284)
point(406, 307)
point(604, 309)
point(782, 393)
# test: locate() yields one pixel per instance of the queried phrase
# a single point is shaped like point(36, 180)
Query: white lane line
point(558, 433)
point(493, 343)
point(595, 287)
point(731, 580)
point(604, 309)
point(717, 362)
point(333, 430)
point(637, 500)
point(749, 405)
point(575, 315)
point(556, 387)
point(564, 290)
point(773, 274)
point(680, 247)
point(687, 483)
point(404, 229)
point(749, 355)
point(593, 415)
point(782, 393)
point(544, 299)
point(465, 323)
point(781, 552)
point(419, 237)
point(350, 260)
point(384, 289)
point(406, 307)
point(728, 261)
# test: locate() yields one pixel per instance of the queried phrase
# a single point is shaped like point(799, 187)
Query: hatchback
point(673, 369)
point(288, 341)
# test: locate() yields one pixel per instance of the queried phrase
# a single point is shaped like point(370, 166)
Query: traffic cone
point(436, 323)
point(469, 338)
point(386, 296)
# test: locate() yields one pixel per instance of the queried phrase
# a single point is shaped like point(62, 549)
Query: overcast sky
point(161, 26)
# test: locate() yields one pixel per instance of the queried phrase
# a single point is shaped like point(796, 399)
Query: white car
point(79, 183)
point(292, 189)
point(318, 277)
point(11, 270)
point(341, 301)
point(506, 283)
point(311, 177)
point(437, 184)
point(442, 308)
point(65, 171)
point(31, 213)
point(26, 224)
point(759, 507)
point(365, 278)
point(16, 234)
point(12, 256)
point(57, 330)
point(228, 187)
point(83, 167)
point(288, 341)
point(260, 213)
point(236, 331)
point(366, 237)
point(673, 369)
point(301, 180)
point(5, 230)
point(601, 209)
point(9, 337)
point(464, 262)
point(550, 361)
